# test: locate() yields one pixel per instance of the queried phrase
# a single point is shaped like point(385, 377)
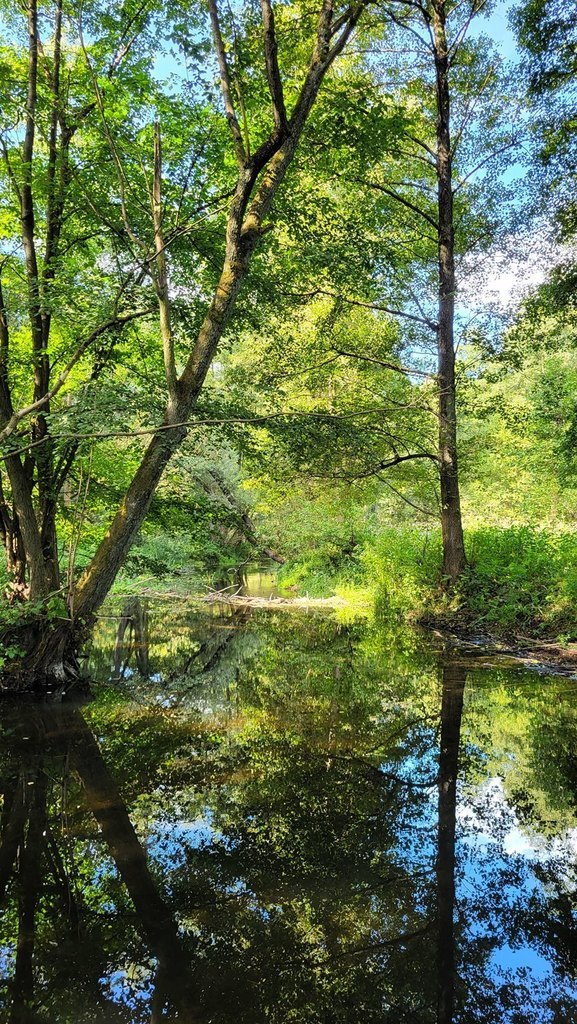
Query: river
point(279, 816)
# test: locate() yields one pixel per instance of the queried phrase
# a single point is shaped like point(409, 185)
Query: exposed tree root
point(47, 666)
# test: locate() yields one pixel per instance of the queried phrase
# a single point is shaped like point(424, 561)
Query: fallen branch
point(244, 601)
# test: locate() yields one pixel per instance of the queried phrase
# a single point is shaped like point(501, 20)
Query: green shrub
point(402, 568)
point(517, 578)
point(521, 577)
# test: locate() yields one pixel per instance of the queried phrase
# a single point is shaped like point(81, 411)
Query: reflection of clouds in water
point(499, 859)
point(484, 817)
point(487, 817)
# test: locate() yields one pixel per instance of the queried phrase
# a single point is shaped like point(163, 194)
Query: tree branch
point(383, 362)
point(380, 466)
point(39, 403)
point(225, 86)
point(272, 68)
point(160, 275)
point(105, 435)
point(403, 497)
point(431, 324)
point(400, 199)
point(476, 9)
point(482, 163)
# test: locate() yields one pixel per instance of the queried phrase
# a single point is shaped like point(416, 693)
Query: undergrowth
point(518, 579)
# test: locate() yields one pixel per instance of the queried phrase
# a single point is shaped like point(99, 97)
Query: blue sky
point(496, 26)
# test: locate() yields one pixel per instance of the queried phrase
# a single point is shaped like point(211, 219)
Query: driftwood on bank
point(246, 601)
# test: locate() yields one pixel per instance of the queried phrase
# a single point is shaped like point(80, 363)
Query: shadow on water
point(281, 818)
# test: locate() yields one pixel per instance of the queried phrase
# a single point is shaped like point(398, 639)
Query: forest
point(288, 510)
point(291, 281)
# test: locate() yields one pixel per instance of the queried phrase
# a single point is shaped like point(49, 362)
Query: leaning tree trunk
point(259, 178)
point(451, 522)
point(98, 579)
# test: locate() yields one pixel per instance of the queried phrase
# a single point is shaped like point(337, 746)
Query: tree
point(547, 38)
point(445, 143)
point(40, 175)
point(421, 194)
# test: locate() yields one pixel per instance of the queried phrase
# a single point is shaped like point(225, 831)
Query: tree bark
point(451, 522)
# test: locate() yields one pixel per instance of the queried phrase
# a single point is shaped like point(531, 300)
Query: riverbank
point(520, 581)
point(547, 657)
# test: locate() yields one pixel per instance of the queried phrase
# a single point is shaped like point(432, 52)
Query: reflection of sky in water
point(495, 855)
point(168, 840)
point(130, 985)
point(506, 872)
point(7, 959)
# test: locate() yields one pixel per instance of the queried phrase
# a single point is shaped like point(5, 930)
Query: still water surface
point(285, 818)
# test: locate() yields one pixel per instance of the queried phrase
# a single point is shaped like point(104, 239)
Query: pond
point(276, 816)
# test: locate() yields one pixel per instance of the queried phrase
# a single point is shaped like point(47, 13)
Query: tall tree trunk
point(23, 519)
point(451, 523)
point(454, 678)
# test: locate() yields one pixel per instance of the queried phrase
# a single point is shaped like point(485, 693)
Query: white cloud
point(500, 280)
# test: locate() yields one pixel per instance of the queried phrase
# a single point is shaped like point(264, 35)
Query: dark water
point(287, 819)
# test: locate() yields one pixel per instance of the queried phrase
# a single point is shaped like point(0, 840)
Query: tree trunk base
point(48, 666)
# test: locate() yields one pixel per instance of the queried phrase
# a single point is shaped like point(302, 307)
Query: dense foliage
point(244, 302)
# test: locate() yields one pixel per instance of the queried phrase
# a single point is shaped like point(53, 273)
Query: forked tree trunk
point(110, 556)
point(451, 522)
point(259, 179)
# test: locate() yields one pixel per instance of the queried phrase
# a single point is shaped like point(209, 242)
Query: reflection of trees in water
point(454, 678)
point(311, 926)
point(144, 641)
point(46, 885)
point(297, 858)
point(132, 638)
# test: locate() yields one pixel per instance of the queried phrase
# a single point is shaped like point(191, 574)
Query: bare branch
point(160, 275)
point(225, 86)
point(403, 497)
point(384, 363)
point(112, 145)
point(353, 15)
point(125, 43)
point(400, 199)
point(272, 68)
point(423, 145)
point(409, 28)
point(455, 46)
point(426, 321)
point(387, 464)
point(482, 163)
point(469, 110)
